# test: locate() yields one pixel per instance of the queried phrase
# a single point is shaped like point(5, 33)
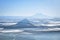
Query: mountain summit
point(40, 16)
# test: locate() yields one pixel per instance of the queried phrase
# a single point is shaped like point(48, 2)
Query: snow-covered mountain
point(40, 16)
point(39, 19)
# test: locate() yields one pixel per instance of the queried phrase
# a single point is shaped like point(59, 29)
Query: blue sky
point(29, 7)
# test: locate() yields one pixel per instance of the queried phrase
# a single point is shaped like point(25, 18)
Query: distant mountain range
point(23, 22)
point(19, 18)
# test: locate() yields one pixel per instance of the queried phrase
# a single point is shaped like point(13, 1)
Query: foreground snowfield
point(50, 29)
point(22, 30)
point(30, 34)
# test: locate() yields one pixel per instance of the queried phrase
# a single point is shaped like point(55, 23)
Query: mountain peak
point(40, 15)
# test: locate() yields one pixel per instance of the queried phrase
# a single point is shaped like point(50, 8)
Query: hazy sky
point(29, 7)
